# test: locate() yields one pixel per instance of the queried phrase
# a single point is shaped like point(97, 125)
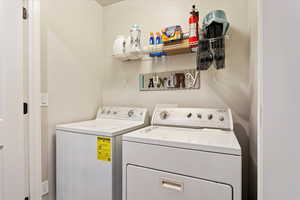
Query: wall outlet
point(45, 188)
point(44, 99)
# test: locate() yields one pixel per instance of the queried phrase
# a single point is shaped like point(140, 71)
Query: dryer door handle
point(171, 184)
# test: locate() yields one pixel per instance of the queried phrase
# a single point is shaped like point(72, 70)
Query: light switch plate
point(44, 99)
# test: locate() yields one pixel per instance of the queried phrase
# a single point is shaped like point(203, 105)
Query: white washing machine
point(187, 154)
point(89, 154)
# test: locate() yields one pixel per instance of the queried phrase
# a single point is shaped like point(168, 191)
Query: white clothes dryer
point(186, 154)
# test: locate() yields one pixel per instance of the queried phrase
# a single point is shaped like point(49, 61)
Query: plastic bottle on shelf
point(158, 45)
point(151, 44)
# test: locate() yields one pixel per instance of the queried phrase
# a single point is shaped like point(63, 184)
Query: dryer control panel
point(125, 113)
point(193, 118)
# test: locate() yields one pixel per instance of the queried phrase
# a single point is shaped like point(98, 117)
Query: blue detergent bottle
point(151, 45)
point(159, 44)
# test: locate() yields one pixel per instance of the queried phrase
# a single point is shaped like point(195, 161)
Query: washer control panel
point(193, 118)
point(126, 113)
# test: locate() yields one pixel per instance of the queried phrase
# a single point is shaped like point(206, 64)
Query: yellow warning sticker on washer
point(104, 148)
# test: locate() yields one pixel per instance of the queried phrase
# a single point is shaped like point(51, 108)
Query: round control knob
point(221, 118)
point(115, 113)
point(199, 116)
point(210, 116)
point(163, 115)
point(108, 112)
point(130, 113)
point(189, 115)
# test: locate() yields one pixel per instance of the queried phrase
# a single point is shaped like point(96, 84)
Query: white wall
point(231, 87)
point(281, 97)
point(253, 25)
point(71, 68)
point(121, 79)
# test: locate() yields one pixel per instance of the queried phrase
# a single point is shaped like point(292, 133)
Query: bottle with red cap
point(194, 27)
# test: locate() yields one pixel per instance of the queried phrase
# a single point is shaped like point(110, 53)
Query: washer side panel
point(80, 175)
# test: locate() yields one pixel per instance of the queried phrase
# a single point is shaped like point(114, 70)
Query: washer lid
point(107, 127)
point(211, 140)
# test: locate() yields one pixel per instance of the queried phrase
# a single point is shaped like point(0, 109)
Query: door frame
point(35, 162)
point(35, 146)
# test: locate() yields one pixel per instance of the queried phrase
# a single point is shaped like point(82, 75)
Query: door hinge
point(25, 108)
point(25, 13)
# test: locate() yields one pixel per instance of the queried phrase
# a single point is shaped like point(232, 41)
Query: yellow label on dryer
point(104, 148)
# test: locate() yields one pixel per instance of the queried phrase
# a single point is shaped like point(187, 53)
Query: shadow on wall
point(252, 189)
point(243, 139)
point(232, 85)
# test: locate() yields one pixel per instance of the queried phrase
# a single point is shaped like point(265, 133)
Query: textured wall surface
point(255, 102)
point(229, 87)
point(232, 87)
point(79, 72)
point(281, 97)
point(71, 68)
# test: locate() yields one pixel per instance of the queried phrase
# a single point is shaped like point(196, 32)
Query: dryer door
point(149, 184)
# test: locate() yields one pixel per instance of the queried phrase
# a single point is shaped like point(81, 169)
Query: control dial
point(164, 115)
point(221, 118)
point(130, 113)
point(189, 115)
point(210, 116)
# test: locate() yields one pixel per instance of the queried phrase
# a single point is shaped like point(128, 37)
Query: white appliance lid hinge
point(25, 108)
point(25, 13)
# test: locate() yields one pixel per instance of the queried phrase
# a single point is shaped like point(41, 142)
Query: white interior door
point(26, 95)
point(1, 166)
point(12, 167)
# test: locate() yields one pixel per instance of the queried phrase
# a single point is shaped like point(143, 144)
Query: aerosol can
point(194, 27)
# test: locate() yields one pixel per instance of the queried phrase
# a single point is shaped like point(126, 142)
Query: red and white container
point(194, 28)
